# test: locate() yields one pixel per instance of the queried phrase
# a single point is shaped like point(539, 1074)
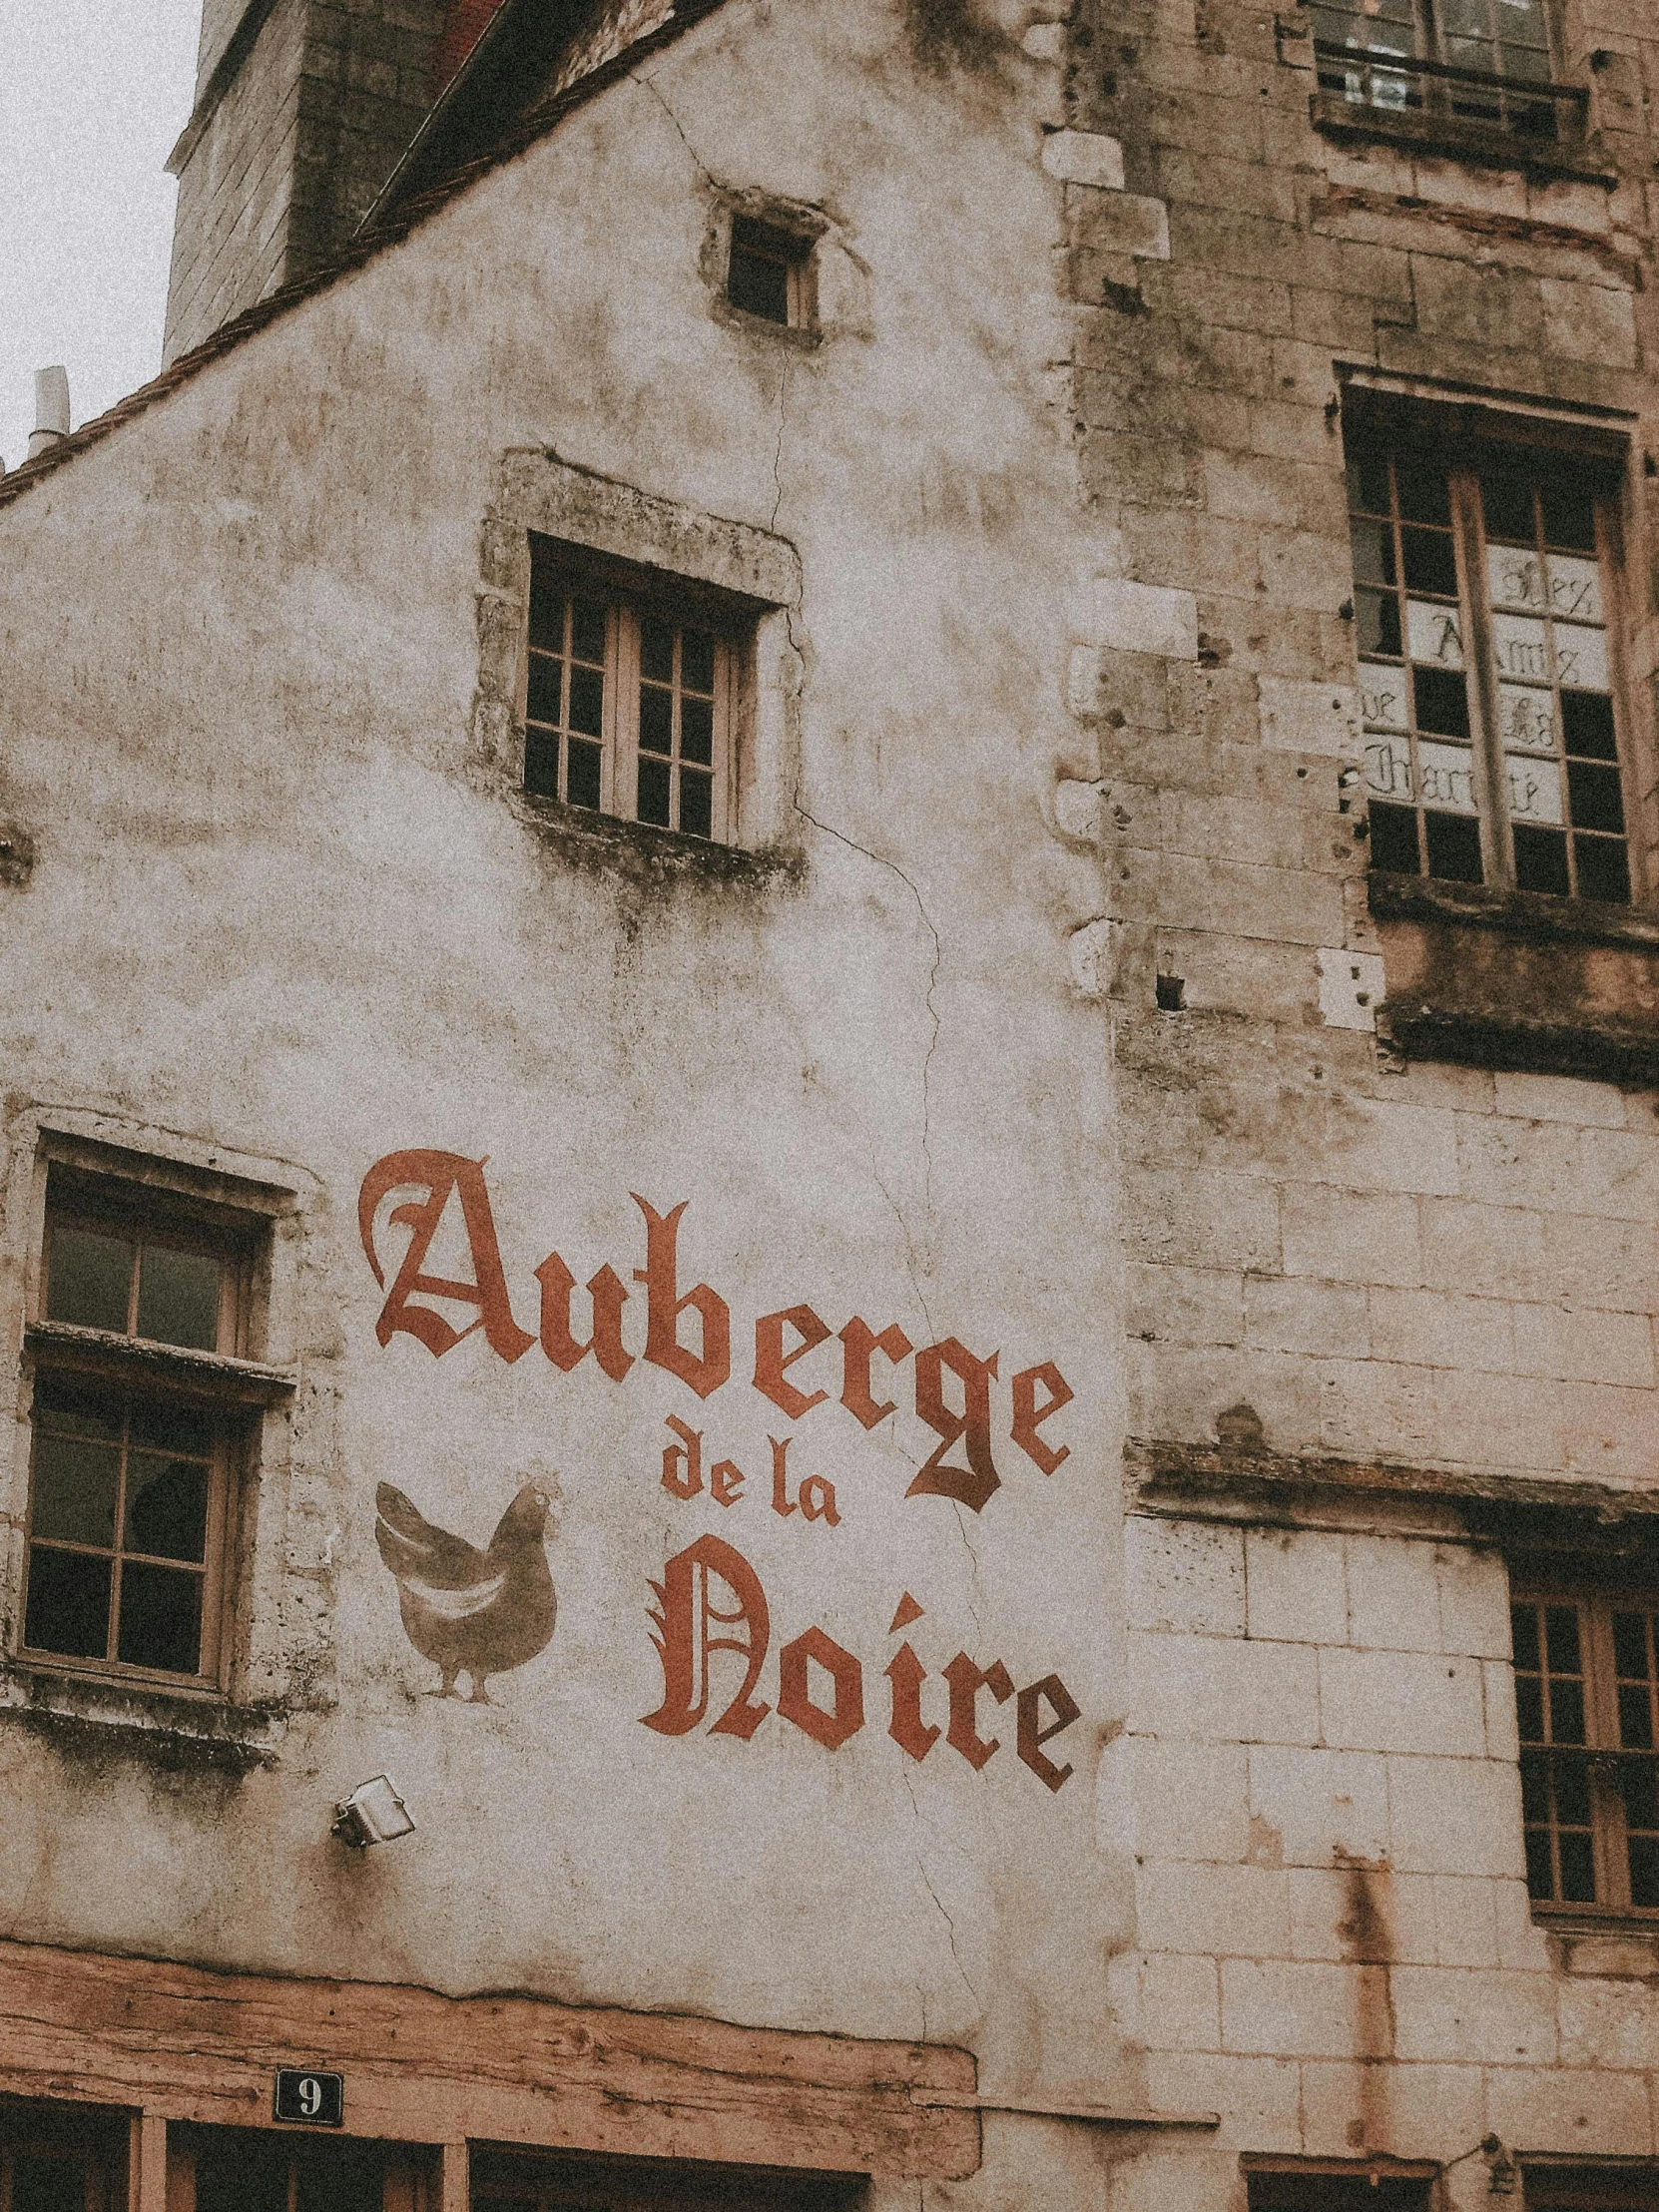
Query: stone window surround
point(752, 571)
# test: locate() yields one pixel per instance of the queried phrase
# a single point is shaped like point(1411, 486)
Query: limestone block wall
point(1336, 1947)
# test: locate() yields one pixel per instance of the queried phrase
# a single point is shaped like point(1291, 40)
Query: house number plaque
point(314, 2100)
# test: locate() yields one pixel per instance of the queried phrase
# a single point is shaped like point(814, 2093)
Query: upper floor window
point(1484, 64)
point(628, 697)
point(1484, 594)
point(769, 272)
point(139, 1410)
point(1587, 1699)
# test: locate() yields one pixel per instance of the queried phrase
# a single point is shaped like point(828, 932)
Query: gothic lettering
point(907, 1729)
point(818, 1500)
point(682, 1463)
point(966, 1681)
point(847, 1716)
point(771, 1358)
point(605, 1344)
point(687, 1621)
point(706, 1370)
point(1029, 1418)
point(973, 1485)
point(439, 1173)
point(860, 1343)
point(1032, 1735)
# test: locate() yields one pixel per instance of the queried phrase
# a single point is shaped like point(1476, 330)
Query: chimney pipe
point(51, 410)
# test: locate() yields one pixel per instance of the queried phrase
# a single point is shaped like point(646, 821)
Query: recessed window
point(1587, 1700)
point(61, 2158)
point(137, 1415)
point(1480, 64)
point(1314, 2185)
point(1484, 595)
point(511, 2181)
point(769, 270)
point(629, 698)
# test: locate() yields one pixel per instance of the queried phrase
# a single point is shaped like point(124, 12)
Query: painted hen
point(471, 1612)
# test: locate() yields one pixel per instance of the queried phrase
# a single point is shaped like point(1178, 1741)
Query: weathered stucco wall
point(286, 909)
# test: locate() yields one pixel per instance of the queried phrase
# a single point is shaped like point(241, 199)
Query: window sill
point(199, 1374)
point(90, 1717)
point(1488, 147)
point(1517, 979)
point(648, 857)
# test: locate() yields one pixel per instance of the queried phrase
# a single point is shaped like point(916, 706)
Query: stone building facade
point(854, 813)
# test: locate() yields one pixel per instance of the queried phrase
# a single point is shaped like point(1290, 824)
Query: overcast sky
point(93, 94)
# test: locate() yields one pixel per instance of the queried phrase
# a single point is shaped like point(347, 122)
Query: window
point(55, 2158)
point(1480, 63)
point(1483, 597)
point(1587, 1698)
point(769, 272)
point(1316, 2186)
point(511, 2181)
point(628, 703)
point(1563, 2188)
point(138, 1412)
point(246, 2169)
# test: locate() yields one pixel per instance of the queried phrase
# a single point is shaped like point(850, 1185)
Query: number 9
point(310, 2097)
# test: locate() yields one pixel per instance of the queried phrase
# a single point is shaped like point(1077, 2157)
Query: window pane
point(1578, 1880)
point(1593, 792)
point(1446, 776)
point(1561, 1638)
point(1393, 839)
point(1535, 1770)
point(1644, 1870)
point(160, 1618)
point(1523, 1628)
point(1581, 658)
point(179, 1298)
point(696, 804)
point(759, 285)
point(1541, 1875)
point(547, 609)
point(587, 639)
point(1566, 1711)
point(697, 730)
point(697, 661)
point(544, 692)
point(654, 776)
point(1540, 860)
point(1453, 848)
point(1423, 495)
point(1587, 721)
point(1443, 702)
point(1569, 516)
point(75, 1489)
point(657, 649)
point(1603, 869)
point(1529, 1709)
point(159, 1424)
point(64, 1402)
point(1429, 562)
point(1641, 1798)
point(1367, 484)
point(1635, 1717)
point(167, 1506)
point(42, 2184)
point(583, 781)
point(1630, 1645)
point(1534, 790)
point(1574, 589)
point(91, 1279)
point(656, 720)
point(1434, 634)
point(541, 763)
point(1507, 505)
point(587, 701)
point(1379, 619)
point(69, 1603)
point(1572, 1790)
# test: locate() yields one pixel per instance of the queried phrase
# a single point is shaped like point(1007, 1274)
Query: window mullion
point(1606, 1800)
point(623, 714)
point(1495, 847)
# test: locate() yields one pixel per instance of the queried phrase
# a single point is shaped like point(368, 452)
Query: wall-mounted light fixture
point(375, 1813)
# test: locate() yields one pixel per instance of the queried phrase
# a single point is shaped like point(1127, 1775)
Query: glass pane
point(1580, 658)
point(90, 1279)
point(1521, 647)
point(179, 1296)
point(1641, 1798)
point(1572, 1790)
point(1594, 794)
point(43, 2184)
point(1389, 766)
point(1587, 725)
point(1393, 839)
point(1578, 1880)
point(63, 1402)
point(159, 1424)
point(1603, 869)
point(1635, 1717)
point(1423, 497)
point(1382, 695)
point(541, 763)
point(1526, 717)
point(656, 720)
point(1429, 562)
point(697, 661)
point(1453, 848)
point(1446, 776)
point(583, 783)
point(1561, 1638)
point(167, 1506)
point(587, 641)
point(697, 730)
point(1570, 517)
point(1373, 552)
point(1443, 702)
point(1367, 484)
point(1507, 503)
point(1574, 589)
point(697, 804)
point(1541, 860)
point(547, 610)
point(587, 701)
point(654, 776)
point(1644, 1870)
point(542, 696)
point(1566, 1711)
point(160, 1618)
point(1529, 1709)
point(759, 285)
point(1630, 1645)
point(1379, 619)
point(1541, 1875)
point(1436, 633)
point(75, 1489)
point(69, 1603)
point(1523, 1627)
point(1536, 790)
point(657, 649)
point(1534, 1786)
point(1515, 578)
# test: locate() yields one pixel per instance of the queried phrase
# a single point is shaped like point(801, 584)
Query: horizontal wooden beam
point(1103, 2116)
point(187, 2043)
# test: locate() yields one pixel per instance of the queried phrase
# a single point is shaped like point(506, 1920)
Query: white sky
point(93, 94)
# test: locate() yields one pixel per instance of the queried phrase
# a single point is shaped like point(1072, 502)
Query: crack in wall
point(649, 84)
point(927, 1885)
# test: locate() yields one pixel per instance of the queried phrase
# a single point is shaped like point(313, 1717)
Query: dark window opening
point(767, 272)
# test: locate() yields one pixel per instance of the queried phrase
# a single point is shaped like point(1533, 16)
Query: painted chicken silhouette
point(471, 1612)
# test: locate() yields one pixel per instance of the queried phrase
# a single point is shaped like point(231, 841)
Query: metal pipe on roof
point(51, 410)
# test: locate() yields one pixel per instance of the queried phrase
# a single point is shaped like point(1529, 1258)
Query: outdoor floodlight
point(372, 1814)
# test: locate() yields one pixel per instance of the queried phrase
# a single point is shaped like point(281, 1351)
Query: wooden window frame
point(1482, 676)
point(792, 251)
point(1436, 80)
point(1602, 1748)
point(223, 1382)
point(630, 597)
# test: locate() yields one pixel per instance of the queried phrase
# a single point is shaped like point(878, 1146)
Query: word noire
point(780, 1338)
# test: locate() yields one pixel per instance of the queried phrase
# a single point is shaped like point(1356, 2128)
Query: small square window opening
point(767, 274)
